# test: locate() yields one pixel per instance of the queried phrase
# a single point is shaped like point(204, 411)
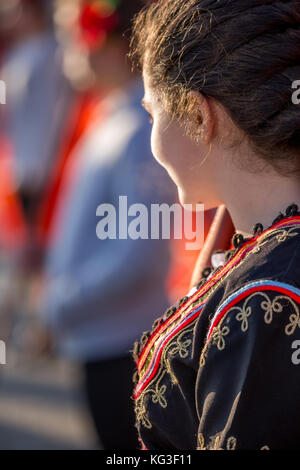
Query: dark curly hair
point(243, 53)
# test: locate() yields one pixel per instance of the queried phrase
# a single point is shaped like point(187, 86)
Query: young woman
point(221, 370)
point(114, 286)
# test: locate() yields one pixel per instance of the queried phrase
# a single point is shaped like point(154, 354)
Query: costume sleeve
point(248, 383)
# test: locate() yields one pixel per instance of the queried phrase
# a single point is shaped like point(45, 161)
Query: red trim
point(157, 360)
point(246, 294)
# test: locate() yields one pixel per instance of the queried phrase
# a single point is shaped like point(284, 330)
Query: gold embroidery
point(231, 443)
point(271, 307)
point(141, 414)
point(268, 306)
point(158, 396)
point(201, 442)
point(284, 234)
point(218, 334)
point(215, 443)
point(276, 307)
point(243, 316)
point(178, 346)
point(170, 372)
point(181, 347)
point(294, 322)
point(203, 355)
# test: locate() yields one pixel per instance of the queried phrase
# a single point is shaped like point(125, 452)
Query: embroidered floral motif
point(177, 347)
point(284, 234)
point(294, 322)
point(215, 443)
point(181, 348)
point(270, 307)
point(141, 414)
point(276, 307)
point(218, 336)
point(158, 396)
point(243, 316)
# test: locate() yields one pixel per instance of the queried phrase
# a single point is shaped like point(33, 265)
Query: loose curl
point(243, 53)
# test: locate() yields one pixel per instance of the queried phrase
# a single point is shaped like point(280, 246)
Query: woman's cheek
point(161, 144)
point(156, 144)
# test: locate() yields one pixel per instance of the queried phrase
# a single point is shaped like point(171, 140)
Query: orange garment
point(183, 263)
point(79, 119)
point(13, 227)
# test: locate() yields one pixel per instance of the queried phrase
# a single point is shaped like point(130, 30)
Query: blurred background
point(73, 135)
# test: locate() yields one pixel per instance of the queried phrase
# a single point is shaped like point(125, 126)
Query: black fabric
point(237, 388)
point(109, 394)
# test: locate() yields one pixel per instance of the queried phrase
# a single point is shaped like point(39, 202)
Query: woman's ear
point(205, 118)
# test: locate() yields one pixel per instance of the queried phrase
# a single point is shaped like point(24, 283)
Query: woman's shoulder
point(260, 285)
point(260, 275)
point(245, 312)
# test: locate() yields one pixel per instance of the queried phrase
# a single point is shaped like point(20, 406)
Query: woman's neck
point(259, 198)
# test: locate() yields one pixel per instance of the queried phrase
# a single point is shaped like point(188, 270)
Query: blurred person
point(37, 94)
point(100, 295)
point(38, 98)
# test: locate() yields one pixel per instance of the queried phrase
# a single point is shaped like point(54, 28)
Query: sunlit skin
point(206, 170)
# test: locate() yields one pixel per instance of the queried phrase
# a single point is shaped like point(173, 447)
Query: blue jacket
point(102, 294)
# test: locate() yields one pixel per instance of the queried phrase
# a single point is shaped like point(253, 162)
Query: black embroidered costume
point(222, 370)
